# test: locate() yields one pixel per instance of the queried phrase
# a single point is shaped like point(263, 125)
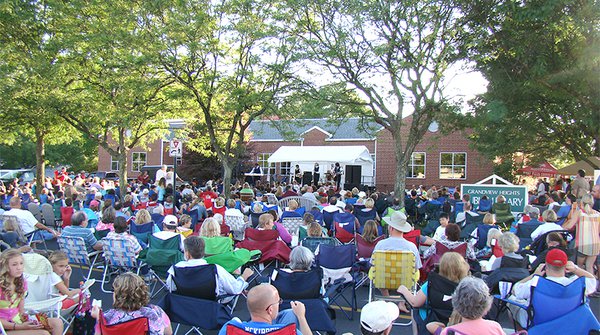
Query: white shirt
point(544, 228)
point(332, 209)
point(233, 212)
point(226, 283)
point(159, 175)
point(310, 196)
point(439, 233)
point(26, 220)
point(165, 235)
point(460, 217)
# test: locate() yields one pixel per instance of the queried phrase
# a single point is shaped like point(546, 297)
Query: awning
point(572, 169)
point(347, 155)
point(543, 170)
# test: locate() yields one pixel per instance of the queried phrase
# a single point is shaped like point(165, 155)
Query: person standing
point(337, 171)
point(161, 173)
point(298, 174)
point(316, 174)
point(580, 186)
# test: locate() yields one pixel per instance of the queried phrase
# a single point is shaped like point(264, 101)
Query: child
point(185, 225)
point(170, 208)
point(13, 235)
point(61, 278)
point(13, 289)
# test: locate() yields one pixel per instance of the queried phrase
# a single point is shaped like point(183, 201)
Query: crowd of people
point(485, 242)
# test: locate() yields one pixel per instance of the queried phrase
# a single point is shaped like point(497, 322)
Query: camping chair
point(337, 264)
point(363, 216)
point(414, 236)
point(539, 244)
point(159, 257)
point(272, 249)
point(317, 215)
point(141, 232)
point(328, 219)
point(469, 225)
point(344, 227)
point(65, 215)
point(219, 250)
point(237, 225)
point(433, 261)
point(439, 294)
point(306, 287)
point(485, 205)
point(313, 243)
point(78, 254)
point(364, 250)
point(557, 309)
point(291, 224)
point(157, 219)
point(524, 230)
point(482, 234)
point(392, 268)
point(195, 302)
point(119, 256)
point(503, 214)
point(137, 326)
point(48, 217)
point(35, 210)
point(194, 215)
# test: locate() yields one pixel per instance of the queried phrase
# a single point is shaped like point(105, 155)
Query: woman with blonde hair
point(454, 268)
point(587, 227)
point(142, 217)
point(131, 301)
point(210, 228)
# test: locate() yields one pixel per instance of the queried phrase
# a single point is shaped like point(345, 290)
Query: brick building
point(438, 159)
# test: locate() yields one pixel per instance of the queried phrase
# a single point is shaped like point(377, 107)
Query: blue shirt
point(257, 328)
point(85, 233)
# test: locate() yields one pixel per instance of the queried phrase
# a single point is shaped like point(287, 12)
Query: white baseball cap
point(377, 316)
point(170, 220)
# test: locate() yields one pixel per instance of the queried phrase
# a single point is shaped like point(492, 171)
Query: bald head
point(260, 297)
point(15, 202)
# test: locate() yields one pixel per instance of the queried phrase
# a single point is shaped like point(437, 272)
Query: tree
point(542, 60)
point(231, 59)
point(116, 96)
point(30, 78)
point(394, 54)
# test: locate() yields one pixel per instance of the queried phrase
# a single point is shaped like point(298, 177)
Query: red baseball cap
point(556, 257)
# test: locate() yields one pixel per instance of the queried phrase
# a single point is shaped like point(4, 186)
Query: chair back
point(163, 253)
point(439, 294)
point(233, 329)
point(482, 233)
point(336, 257)
point(195, 312)
point(158, 219)
point(298, 285)
point(142, 231)
point(524, 230)
point(65, 215)
point(469, 225)
point(302, 202)
point(485, 205)
point(38, 273)
point(196, 281)
point(392, 268)
point(48, 217)
point(328, 219)
point(237, 226)
point(364, 248)
point(414, 237)
point(137, 326)
point(35, 210)
point(317, 215)
point(363, 216)
point(254, 219)
point(75, 249)
point(119, 252)
point(550, 300)
point(441, 249)
point(217, 245)
point(291, 224)
point(110, 197)
point(313, 242)
point(88, 198)
point(56, 205)
point(459, 207)
point(539, 244)
point(261, 235)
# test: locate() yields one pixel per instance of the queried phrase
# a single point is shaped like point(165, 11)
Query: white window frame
point(114, 164)
point(453, 165)
point(411, 165)
point(285, 168)
point(135, 162)
point(263, 160)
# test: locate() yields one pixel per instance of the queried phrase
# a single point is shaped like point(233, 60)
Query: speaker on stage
point(353, 176)
point(307, 178)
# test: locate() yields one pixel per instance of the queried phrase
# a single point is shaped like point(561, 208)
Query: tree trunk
point(401, 166)
point(40, 161)
point(122, 158)
point(227, 172)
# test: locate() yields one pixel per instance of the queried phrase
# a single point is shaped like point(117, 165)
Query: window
point(453, 165)
point(263, 161)
point(416, 166)
point(285, 168)
point(114, 164)
point(138, 160)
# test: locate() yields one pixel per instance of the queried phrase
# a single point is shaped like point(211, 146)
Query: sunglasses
point(275, 303)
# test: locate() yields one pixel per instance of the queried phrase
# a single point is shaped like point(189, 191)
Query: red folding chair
point(138, 326)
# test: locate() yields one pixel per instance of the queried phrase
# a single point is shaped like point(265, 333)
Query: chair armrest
point(94, 253)
point(512, 302)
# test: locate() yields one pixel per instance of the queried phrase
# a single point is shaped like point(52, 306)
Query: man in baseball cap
point(377, 316)
point(170, 223)
point(556, 267)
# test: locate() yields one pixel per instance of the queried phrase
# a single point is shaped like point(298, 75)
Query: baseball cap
point(377, 316)
point(556, 257)
point(94, 203)
point(170, 220)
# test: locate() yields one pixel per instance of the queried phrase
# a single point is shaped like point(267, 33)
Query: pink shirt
point(476, 327)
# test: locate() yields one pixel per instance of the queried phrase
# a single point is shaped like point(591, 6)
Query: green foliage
point(542, 60)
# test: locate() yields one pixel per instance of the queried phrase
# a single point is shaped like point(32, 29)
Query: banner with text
point(515, 195)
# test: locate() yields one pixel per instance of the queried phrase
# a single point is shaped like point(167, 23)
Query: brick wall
point(151, 149)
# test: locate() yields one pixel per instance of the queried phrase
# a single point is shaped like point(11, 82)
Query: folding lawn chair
point(119, 256)
point(313, 243)
point(292, 224)
point(78, 254)
point(219, 250)
point(35, 210)
point(306, 288)
point(159, 257)
point(272, 249)
point(337, 264)
point(392, 268)
point(137, 326)
point(344, 227)
point(237, 226)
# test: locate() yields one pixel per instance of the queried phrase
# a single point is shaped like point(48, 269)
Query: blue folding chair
point(363, 216)
point(119, 256)
point(316, 213)
point(524, 230)
point(469, 225)
point(194, 215)
point(306, 287)
point(482, 234)
point(195, 301)
point(313, 243)
point(337, 264)
point(344, 227)
point(141, 232)
point(328, 219)
point(557, 309)
point(485, 205)
point(158, 219)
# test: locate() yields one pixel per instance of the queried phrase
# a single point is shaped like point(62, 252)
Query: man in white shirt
point(555, 268)
point(161, 173)
point(170, 230)
point(440, 232)
point(27, 221)
point(549, 224)
point(194, 255)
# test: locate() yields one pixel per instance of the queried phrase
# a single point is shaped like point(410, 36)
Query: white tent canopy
point(307, 156)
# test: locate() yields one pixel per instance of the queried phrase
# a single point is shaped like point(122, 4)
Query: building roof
point(293, 130)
